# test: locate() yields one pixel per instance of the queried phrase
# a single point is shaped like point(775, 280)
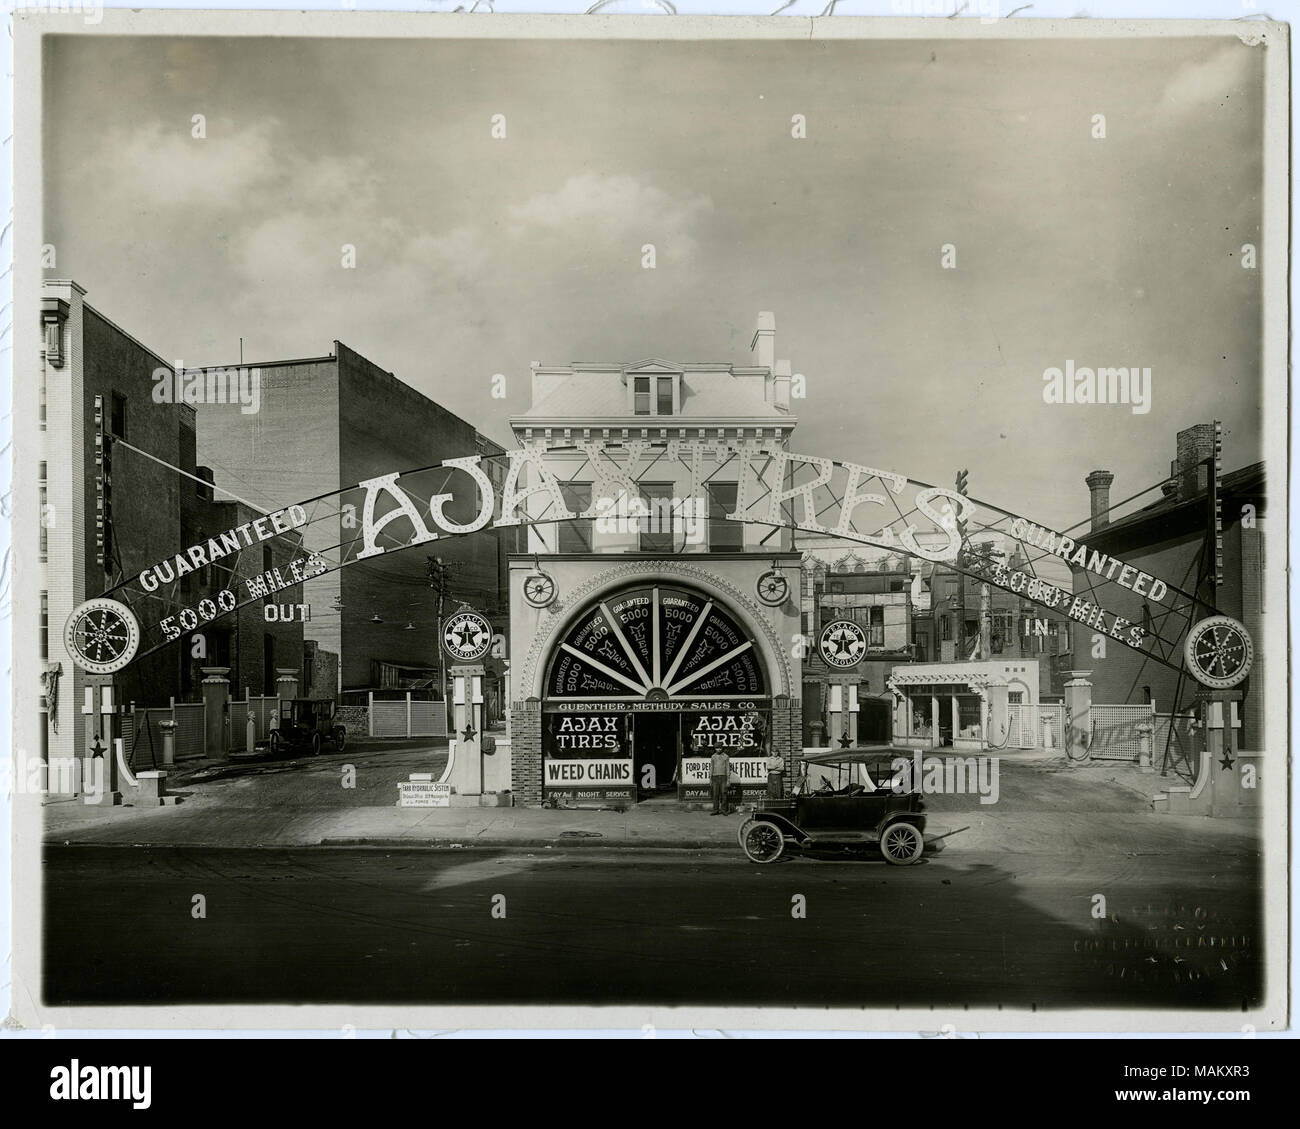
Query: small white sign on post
point(423, 794)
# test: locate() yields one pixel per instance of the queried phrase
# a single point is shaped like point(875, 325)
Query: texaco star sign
point(842, 643)
point(467, 636)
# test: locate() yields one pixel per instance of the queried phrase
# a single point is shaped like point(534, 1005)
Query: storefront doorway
point(644, 686)
point(655, 754)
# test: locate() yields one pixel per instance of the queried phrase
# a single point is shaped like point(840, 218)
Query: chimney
point(764, 344)
point(1099, 486)
point(205, 473)
point(781, 392)
point(1195, 445)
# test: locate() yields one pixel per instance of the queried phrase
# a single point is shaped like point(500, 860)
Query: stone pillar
point(997, 718)
point(286, 683)
point(1078, 713)
point(902, 716)
point(99, 773)
point(1218, 709)
point(216, 697)
point(505, 694)
point(1144, 747)
point(151, 789)
point(168, 742)
point(467, 770)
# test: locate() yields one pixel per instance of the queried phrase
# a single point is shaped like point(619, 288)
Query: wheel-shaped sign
point(773, 588)
point(466, 636)
point(539, 589)
point(102, 636)
point(843, 643)
point(1219, 652)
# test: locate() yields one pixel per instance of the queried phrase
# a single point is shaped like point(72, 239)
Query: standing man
point(720, 777)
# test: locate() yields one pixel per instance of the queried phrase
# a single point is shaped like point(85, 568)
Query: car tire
point(740, 831)
point(901, 843)
point(340, 738)
point(763, 841)
point(315, 744)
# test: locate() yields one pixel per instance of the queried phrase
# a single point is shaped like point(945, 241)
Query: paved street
point(593, 925)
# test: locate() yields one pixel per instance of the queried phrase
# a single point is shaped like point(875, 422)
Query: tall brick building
point(328, 422)
point(97, 394)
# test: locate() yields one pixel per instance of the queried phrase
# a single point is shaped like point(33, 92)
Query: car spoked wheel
point(762, 841)
point(901, 844)
point(340, 739)
point(315, 744)
point(743, 830)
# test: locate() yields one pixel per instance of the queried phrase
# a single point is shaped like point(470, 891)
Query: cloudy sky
point(476, 255)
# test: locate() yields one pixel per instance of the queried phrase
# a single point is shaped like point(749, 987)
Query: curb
point(536, 844)
point(363, 843)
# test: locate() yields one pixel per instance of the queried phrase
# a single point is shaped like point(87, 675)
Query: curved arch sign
point(774, 487)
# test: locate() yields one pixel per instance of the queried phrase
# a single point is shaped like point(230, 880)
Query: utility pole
point(985, 645)
point(959, 630)
point(439, 576)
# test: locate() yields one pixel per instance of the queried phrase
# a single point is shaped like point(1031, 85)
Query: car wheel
point(340, 738)
point(743, 829)
point(762, 841)
point(315, 744)
point(901, 844)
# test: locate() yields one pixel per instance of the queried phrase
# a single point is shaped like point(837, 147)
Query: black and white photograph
point(633, 521)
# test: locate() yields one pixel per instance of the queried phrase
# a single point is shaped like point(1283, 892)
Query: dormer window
point(652, 395)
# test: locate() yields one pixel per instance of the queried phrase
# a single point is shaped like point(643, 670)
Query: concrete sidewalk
point(1045, 806)
point(203, 821)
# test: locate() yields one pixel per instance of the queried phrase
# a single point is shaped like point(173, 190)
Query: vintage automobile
point(852, 801)
point(306, 724)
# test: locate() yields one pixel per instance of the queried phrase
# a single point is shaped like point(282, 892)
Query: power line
point(186, 474)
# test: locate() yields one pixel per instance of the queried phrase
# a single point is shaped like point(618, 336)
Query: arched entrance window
point(644, 685)
point(655, 638)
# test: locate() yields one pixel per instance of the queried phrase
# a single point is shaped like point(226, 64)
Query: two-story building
point(648, 628)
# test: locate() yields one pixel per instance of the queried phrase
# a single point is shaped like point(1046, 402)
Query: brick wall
point(526, 751)
point(145, 495)
point(385, 426)
point(287, 451)
point(787, 735)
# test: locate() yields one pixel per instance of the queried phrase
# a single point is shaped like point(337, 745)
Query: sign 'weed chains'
point(773, 487)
